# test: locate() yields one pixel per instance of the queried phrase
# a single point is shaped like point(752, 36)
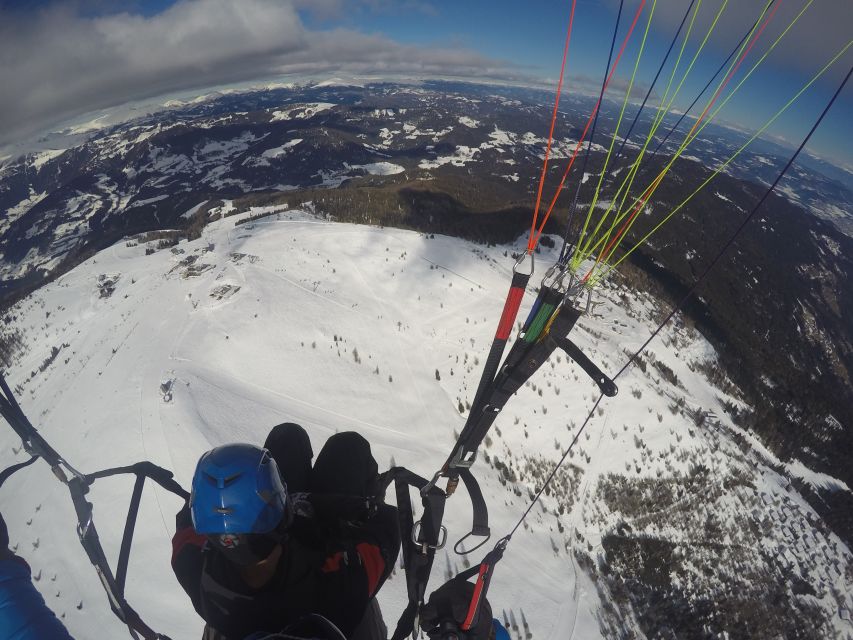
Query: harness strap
point(144, 469)
point(522, 362)
point(7, 472)
point(510, 311)
point(33, 442)
point(78, 486)
point(480, 519)
point(114, 584)
point(420, 542)
point(605, 384)
point(127, 537)
point(88, 535)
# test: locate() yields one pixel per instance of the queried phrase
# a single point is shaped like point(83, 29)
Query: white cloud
point(816, 36)
point(57, 64)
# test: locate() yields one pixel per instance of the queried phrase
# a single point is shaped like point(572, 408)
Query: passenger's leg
point(345, 465)
point(290, 447)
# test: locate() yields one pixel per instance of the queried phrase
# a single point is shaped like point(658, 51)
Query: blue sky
point(531, 35)
point(64, 58)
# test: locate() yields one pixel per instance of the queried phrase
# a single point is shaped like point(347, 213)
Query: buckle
point(442, 537)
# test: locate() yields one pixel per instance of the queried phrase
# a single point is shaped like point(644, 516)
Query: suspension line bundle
point(564, 295)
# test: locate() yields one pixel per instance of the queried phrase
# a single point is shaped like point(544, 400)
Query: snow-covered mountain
point(667, 521)
point(153, 172)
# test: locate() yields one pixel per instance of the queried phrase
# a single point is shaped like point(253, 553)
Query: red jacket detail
point(374, 565)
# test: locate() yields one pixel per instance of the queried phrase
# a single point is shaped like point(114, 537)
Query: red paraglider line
point(651, 188)
point(535, 239)
point(530, 244)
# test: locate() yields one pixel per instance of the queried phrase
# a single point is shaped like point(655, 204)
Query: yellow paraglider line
point(619, 124)
point(646, 195)
point(663, 109)
point(600, 276)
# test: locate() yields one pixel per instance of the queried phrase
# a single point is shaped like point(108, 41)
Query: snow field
point(336, 327)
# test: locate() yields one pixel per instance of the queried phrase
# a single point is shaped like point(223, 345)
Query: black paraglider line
point(564, 252)
point(705, 88)
point(699, 281)
point(657, 75)
point(37, 446)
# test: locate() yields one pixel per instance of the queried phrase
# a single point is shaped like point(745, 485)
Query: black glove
point(445, 612)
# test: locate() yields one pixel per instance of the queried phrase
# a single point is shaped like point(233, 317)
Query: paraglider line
point(553, 122)
point(705, 88)
point(588, 123)
point(605, 254)
point(730, 159)
point(563, 251)
point(699, 281)
point(657, 75)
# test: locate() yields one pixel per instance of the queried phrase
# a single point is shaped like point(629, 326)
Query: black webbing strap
point(605, 384)
point(528, 359)
point(127, 537)
point(479, 513)
point(493, 360)
point(480, 518)
point(142, 470)
point(419, 543)
point(15, 467)
point(114, 583)
point(33, 442)
point(78, 486)
point(92, 546)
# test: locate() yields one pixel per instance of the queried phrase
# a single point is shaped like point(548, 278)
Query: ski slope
point(336, 327)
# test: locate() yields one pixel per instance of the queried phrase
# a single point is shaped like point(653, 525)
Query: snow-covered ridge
point(301, 111)
point(379, 168)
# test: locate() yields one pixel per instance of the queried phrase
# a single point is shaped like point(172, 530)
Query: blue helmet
point(237, 489)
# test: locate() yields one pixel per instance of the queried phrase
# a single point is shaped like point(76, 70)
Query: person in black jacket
point(267, 540)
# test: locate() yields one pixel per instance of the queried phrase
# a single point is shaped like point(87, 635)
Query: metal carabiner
point(429, 485)
point(551, 270)
point(559, 272)
point(520, 261)
point(83, 528)
point(589, 303)
point(558, 283)
point(575, 291)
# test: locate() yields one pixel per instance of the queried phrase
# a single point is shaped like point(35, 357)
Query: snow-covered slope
point(337, 327)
